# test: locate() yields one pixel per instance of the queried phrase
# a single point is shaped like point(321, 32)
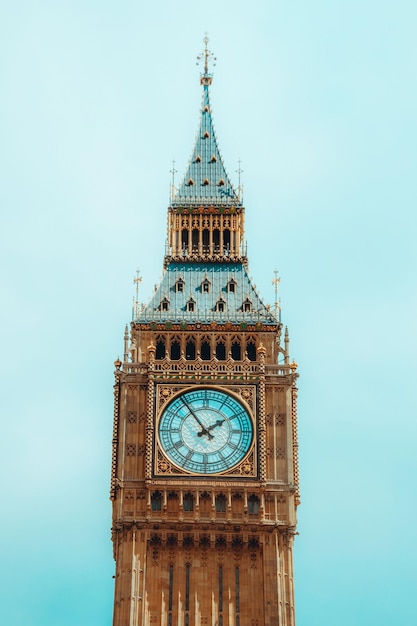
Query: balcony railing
point(200, 367)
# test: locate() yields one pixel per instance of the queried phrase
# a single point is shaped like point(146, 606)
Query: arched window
point(247, 306)
point(187, 594)
point(220, 305)
point(164, 306)
point(194, 239)
point(179, 285)
point(188, 502)
point(205, 503)
point(190, 350)
point(206, 240)
point(160, 349)
point(172, 503)
point(156, 501)
point(175, 350)
point(191, 305)
point(226, 239)
point(205, 350)
point(236, 350)
point(221, 503)
point(216, 239)
point(221, 351)
point(237, 504)
point(253, 505)
point(205, 286)
point(184, 239)
point(231, 286)
point(251, 350)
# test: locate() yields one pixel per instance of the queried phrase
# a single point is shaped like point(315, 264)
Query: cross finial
point(204, 58)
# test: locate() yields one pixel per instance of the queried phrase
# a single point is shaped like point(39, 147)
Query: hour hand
point(216, 423)
point(205, 431)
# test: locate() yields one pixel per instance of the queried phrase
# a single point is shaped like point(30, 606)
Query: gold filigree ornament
point(247, 467)
point(163, 466)
point(164, 394)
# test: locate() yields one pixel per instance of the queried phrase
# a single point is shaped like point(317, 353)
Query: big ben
point(204, 479)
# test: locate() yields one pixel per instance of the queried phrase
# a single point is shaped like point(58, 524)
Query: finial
point(276, 281)
point(173, 171)
point(137, 280)
point(239, 172)
point(126, 343)
point(286, 346)
point(204, 57)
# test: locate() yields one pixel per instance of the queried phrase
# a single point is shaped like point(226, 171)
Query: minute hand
point(204, 430)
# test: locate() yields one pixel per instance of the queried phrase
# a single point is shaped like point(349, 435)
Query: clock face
point(205, 431)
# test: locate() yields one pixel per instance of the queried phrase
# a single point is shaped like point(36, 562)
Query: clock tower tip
point(204, 58)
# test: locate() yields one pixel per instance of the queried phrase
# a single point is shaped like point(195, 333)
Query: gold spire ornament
point(204, 58)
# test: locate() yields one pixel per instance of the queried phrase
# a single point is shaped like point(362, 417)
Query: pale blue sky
point(318, 99)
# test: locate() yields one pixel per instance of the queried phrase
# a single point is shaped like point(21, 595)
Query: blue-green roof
point(205, 180)
point(206, 285)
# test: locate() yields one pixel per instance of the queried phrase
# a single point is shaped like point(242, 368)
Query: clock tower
point(204, 478)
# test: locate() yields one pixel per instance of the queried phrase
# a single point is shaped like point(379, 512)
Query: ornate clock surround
point(247, 468)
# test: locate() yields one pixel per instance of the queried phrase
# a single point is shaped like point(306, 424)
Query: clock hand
point(217, 423)
point(193, 414)
point(204, 430)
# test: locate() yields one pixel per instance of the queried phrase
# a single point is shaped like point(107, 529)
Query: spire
point(206, 180)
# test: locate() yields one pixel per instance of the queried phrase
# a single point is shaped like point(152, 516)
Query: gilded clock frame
point(247, 468)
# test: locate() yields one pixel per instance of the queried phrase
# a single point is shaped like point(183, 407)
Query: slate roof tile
point(219, 276)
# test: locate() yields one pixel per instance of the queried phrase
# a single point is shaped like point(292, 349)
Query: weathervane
point(204, 57)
